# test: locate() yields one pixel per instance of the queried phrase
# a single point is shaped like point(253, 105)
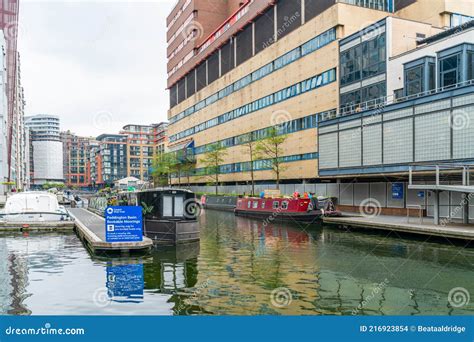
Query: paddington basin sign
point(123, 224)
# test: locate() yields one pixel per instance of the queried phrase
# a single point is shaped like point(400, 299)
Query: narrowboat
point(224, 203)
point(286, 209)
point(169, 215)
point(279, 209)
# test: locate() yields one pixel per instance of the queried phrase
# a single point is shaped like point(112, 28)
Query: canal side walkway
point(403, 224)
point(90, 228)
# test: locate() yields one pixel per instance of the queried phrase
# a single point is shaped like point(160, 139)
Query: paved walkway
point(406, 225)
point(91, 227)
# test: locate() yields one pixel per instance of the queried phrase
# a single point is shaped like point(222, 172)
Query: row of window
point(301, 51)
point(258, 165)
point(279, 96)
point(292, 126)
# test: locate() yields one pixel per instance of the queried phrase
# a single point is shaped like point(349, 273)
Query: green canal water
point(241, 267)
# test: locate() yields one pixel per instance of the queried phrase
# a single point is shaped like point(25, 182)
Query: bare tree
point(270, 150)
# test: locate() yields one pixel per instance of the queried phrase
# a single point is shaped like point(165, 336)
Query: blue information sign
point(397, 191)
point(123, 224)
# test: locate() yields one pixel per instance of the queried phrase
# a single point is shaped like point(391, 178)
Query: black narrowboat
point(169, 215)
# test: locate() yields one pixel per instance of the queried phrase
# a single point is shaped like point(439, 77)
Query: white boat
point(34, 206)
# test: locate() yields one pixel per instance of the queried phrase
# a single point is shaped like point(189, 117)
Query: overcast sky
point(98, 65)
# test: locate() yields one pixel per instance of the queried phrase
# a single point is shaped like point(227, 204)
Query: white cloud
point(82, 58)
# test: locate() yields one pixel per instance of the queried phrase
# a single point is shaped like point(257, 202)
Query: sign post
point(123, 224)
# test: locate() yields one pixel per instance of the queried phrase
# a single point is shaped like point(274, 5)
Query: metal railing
point(420, 212)
point(451, 168)
point(382, 102)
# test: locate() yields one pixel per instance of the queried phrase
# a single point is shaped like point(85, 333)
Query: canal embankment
point(400, 224)
point(44, 226)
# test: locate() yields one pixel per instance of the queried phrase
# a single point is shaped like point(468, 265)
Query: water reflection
point(235, 269)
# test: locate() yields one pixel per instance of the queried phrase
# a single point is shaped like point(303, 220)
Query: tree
point(163, 167)
point(212, 159)
point(251, 145)
point(270, 149)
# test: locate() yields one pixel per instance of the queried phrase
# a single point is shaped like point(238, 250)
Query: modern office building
point(287, 64)
point(140, 146)
point(111, 159)
point(424, 115)
point(47, 148)
point(76, 151)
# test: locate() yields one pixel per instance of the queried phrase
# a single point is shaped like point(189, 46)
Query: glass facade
point(363, 61)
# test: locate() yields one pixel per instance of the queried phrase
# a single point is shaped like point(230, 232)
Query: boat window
point(276, 204)
point(263, 204)
point(255, 205)
point(284, 205)
point(178, 206)
point(249, 204)
point(167, 206)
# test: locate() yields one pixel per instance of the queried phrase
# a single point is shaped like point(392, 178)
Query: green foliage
point(270, 149)
point(212, 159)
point(52, 185)
point(172, 163)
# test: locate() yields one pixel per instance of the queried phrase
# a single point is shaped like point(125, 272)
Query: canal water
point(241, 267)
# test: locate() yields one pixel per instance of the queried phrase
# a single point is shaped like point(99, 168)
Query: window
point(255, 205)
point(470, 65)
point(459, 19)
point(263, 204)
point(414, 80)
point(249, 203)
point(276, 204)
point(284, 205)
point(364, 60)
point(449, 70)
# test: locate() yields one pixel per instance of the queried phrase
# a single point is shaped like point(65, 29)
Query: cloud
point(81, 58)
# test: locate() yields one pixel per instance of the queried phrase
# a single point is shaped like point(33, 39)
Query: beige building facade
point(283, 71)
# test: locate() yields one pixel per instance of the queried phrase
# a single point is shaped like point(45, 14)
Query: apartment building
point(46, 148)
point(140, 149)
point(160, 140)
point(76, 158)
point(279, 64)
point(111, 159)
